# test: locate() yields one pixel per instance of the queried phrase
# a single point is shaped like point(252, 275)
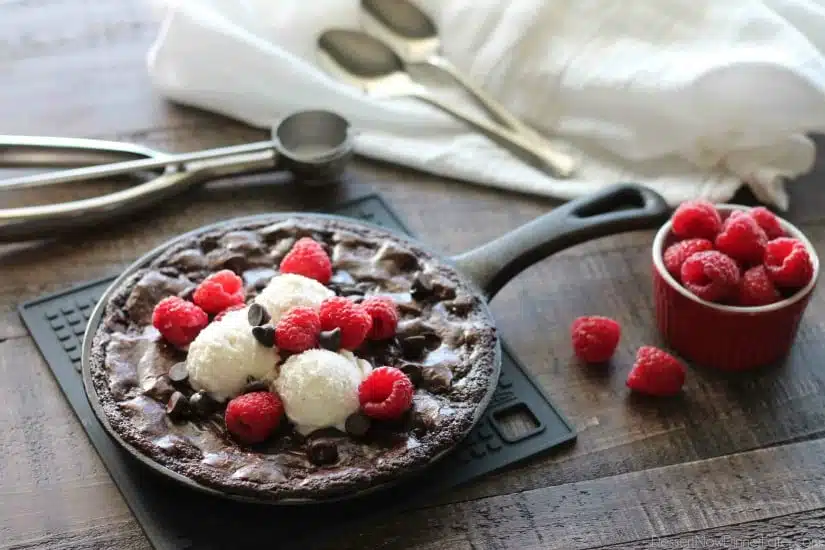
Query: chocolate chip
point(357, 424)
point(255, 385)
point(330, 339)
point(322, 451)
point(187, 293)
point(400, 256)
point(202, 403)
point(209, 243)
point(257, 315)
point(460, 306)
point(242, 241)
point(178, 373)
point(413, 347)
point(189, 260)
point(422, 286)
point(349, 291)
point(426, 286)
point(437, 379)
point(159, 389)
point(227, 259)
point(413, 372)
point(178, 406)
point(265, 335)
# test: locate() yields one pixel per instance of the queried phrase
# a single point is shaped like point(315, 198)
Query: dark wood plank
point(627, 511)
point(52, 484)
point(805, 530)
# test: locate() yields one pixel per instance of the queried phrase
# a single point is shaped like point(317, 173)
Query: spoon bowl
point(373, 67)
point(403, 27)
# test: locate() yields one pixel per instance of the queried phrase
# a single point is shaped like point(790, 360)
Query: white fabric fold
point(693, 98)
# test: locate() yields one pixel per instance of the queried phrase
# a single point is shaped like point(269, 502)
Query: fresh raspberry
point(696, 220)
point(219, 291)
point(298, 329)
point(179, 321)
point(385, 394)
point(788, 263)
point(595, 338)
point(308, 258)
point(742, 239)
point(677, 253)
point(353, 320)
point(236, 307)
point(384, 315)
point(252, 417)
point(656, 372)
point(710, 275)
point(756, 288)
point(768, 221)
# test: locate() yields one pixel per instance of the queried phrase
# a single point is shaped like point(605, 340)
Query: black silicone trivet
point(178, 518)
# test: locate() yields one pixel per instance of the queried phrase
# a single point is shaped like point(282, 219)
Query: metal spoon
point(413, 36)
point(370, 65)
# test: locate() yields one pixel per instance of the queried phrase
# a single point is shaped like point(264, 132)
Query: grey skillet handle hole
point(515, 422)
point(607, 205)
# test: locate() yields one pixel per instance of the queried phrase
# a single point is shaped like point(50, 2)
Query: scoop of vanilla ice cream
point(289, 290)
point(319, 389)
point(225, 353)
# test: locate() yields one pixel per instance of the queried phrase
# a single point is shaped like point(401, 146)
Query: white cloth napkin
point(693, 98)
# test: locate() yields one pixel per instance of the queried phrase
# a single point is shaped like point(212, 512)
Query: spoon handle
point(559, 164)
point(500, 114)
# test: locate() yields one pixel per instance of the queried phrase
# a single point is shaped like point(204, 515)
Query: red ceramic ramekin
point(726, 337)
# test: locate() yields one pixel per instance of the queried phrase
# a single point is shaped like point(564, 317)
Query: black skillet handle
point(615, 209)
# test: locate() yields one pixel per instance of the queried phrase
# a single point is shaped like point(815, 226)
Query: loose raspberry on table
point(676, 254)
point(308, 258)
point(742, 239)
point(298, 330)
point(353, 320)
point(756, 288)
point(656, 373)
point(711, 275)
point(219, 291)
point(253, 417)
point(595, 338)
point(697, 219)
point(768, 221)
point(384, 315)
point(179, 321)
point(385, 394)
point(788, 263)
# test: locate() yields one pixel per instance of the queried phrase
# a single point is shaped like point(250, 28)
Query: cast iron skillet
point(486, 269)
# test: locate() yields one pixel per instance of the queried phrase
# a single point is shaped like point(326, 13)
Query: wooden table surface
point(736, 462)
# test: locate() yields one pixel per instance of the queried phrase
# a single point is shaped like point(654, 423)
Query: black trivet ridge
point(178, 518)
